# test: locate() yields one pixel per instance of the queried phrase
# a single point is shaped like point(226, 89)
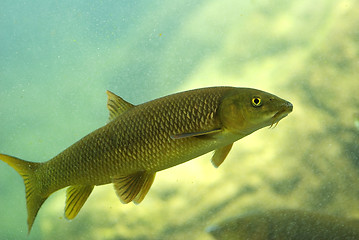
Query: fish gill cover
point(58, 59)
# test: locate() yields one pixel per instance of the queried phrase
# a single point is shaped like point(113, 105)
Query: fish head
point(245, 110)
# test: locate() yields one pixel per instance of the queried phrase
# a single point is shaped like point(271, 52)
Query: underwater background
point(58, 58)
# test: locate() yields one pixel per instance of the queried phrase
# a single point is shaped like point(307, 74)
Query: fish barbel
point(144, 139)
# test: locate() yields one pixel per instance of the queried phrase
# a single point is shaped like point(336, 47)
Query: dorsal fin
point(116, 105)
point(133, 187)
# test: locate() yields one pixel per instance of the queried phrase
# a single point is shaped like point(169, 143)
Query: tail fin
point(34, 198)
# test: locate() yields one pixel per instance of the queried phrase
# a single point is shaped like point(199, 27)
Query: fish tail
point(34, 198)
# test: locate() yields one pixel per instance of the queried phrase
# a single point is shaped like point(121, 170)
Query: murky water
point(57, 59)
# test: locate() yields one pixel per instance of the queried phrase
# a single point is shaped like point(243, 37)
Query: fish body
point(286, 225)
point(144, 139)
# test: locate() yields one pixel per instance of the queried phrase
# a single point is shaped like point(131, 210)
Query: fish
point(140, 140)
point(286, 224)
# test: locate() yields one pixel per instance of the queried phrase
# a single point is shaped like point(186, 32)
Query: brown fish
point(144, 139)
point(286, 225)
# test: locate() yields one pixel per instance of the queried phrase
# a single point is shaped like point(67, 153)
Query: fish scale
point(144, 139)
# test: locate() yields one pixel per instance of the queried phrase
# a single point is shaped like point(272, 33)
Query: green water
point(58, 58)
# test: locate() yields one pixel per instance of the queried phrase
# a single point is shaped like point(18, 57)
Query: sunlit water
point(57, 59)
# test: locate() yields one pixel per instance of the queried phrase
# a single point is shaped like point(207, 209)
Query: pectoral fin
point(195, 134)
point(76, 197)
point(220, 154)
point(133, 187)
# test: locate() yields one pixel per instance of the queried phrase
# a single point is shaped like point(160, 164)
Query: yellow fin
point(76, 197)
point(34, 198)
point(133, 187)
point(220, 154)
point(145, 188)
point(116, 105)
point(195, 134)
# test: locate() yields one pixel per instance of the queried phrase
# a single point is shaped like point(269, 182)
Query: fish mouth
point(283, 112)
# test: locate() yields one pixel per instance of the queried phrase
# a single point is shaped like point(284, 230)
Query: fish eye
point(256, 101)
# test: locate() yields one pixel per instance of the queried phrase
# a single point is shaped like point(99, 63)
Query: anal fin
point(133, 187)
point(76, 197)
point(220, 154)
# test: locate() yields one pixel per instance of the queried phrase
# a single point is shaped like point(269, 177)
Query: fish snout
point(284, 110)
point(288, 106)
